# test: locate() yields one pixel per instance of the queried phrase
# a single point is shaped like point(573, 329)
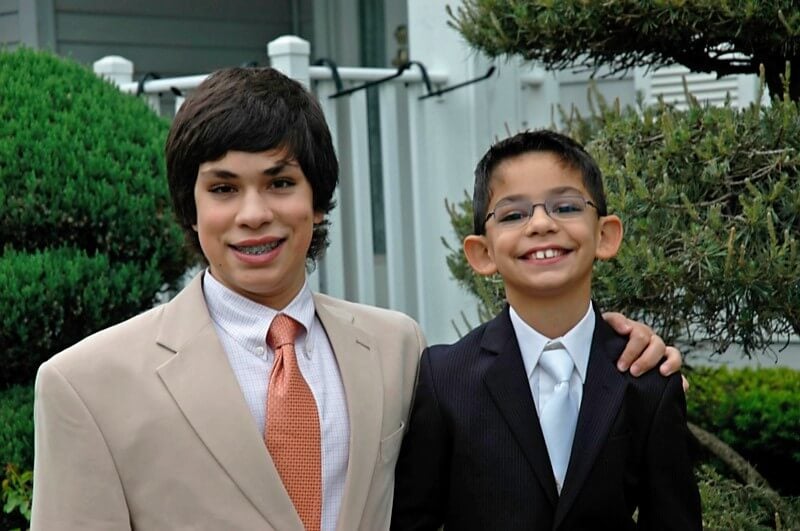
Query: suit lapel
point(360, 370)
point(201, 381)
point(509, 388)
point(603, 392)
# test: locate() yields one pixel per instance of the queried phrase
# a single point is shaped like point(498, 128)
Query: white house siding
point(178, 37)
point(574, 89)
point(668, 83)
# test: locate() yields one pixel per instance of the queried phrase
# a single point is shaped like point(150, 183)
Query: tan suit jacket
point(144, 426)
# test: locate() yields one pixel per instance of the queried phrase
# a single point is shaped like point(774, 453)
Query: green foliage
point(17, 490)
point(730, 37)
point(711, 208)
point(710, 201)
point(85, 208)
point(16, 454)
point(757, 412)
point(16, 426)
point(728, 505)
point(55, 297)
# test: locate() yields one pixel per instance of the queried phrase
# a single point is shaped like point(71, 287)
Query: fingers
point(620, 323)
point(673, 362)
point(640, 343)
point(652, 353)
point(685, 383)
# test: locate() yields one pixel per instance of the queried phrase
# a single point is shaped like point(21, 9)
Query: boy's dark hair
point(252, 110)
point(567, 150)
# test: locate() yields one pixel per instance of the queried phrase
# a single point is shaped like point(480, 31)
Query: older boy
point(525, 423)
point(247, 402)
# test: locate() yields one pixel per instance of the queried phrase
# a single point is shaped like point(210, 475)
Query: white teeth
point(258, 249)
point(547, 253)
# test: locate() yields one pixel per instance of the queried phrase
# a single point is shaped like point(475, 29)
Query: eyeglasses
point(517, 212)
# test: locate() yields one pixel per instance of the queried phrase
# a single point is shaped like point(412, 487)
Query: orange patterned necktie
point(292, 430)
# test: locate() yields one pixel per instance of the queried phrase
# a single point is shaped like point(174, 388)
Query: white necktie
point(559, 414)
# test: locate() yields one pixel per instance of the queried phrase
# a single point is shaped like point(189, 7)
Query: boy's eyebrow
point(561, 190)
point(564, 189)
point(279, 167)
point(218, 173)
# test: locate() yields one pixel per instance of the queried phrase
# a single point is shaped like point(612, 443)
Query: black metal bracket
point(337, 81)
point(145, 78)
point(445, 90)
point(425, 79)
point(402, 68)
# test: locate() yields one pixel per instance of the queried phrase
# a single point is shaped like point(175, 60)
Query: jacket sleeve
point(422, 473)
point(671, 499)
point(75, 482)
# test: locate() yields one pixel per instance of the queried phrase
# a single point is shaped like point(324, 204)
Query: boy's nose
point(540, 220)
point(254, 211)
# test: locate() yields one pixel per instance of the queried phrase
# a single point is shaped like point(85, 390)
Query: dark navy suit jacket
point(475, 457)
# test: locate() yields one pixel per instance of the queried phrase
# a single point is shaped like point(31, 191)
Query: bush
point(87, 234)
point(757, 412)
point(16, 454)
point(16, 427)
point(728, 504)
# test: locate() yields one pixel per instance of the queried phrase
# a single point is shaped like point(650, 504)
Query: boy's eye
point(281, 182)
point(567, 207)
point(222, 189)
point(510, 216)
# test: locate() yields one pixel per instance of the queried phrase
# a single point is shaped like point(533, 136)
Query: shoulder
point(366, 315)
point(461, 353)
point(119, 338)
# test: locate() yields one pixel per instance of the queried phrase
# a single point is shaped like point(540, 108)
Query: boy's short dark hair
point(251, 110)
point(570, 152)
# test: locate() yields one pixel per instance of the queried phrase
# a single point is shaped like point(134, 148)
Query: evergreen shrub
point(16, 419)
point(755, 411)
point(729, 505)
point(16, 448)
point(86, 231)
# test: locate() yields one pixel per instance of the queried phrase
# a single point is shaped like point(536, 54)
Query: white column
point(116, 69)
point(290, 55)
point(332, 266)
point(449, 134)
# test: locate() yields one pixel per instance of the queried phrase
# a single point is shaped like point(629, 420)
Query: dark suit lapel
point(202, 384)
point(602, 395)
point(509, 388)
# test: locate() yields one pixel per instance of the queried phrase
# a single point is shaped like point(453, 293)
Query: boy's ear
point(318, 217)
point(477, 252)
point(610, 237)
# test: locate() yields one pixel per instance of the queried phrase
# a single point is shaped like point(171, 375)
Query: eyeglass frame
point(547, 210)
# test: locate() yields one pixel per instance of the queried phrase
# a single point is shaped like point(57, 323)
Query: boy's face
point(541, 257)
point(255, 218)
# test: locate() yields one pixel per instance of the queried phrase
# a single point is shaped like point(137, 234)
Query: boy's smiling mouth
point(258, 249)
point(545, 254)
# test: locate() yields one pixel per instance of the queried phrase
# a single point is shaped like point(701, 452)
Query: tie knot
point(556, 362)
point(282, 331)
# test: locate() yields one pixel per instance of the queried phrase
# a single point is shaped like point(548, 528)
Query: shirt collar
point(247, 321)
point(577, 342)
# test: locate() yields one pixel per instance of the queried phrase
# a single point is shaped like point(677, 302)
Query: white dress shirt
point(577, 342)
point(241, 326)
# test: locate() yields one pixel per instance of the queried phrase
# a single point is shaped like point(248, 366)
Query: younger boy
point(525, 423)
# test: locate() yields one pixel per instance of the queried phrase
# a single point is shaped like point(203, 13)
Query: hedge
point(86, 231)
